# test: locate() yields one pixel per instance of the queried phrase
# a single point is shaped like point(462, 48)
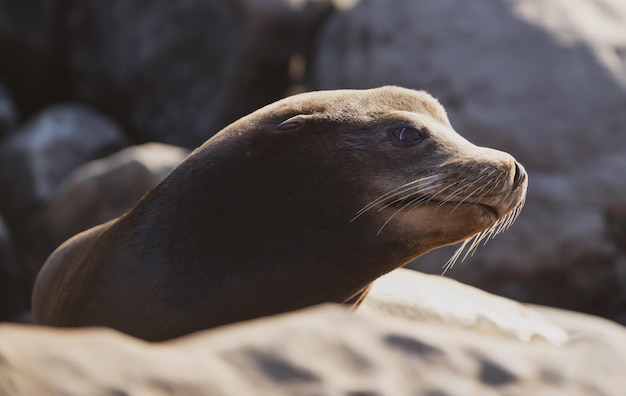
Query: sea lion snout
point(507, 176)
point(514, 190)
point(511, 191)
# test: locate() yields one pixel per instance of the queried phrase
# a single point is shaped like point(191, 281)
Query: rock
point(615, 217)
point(413, 295)
point(177, 72)
point(167, 71)
point(323, 350)
point(543, 80)
point(43, 151)
point(94, 193)
point(31, 60)
point(506, 71)
point(615, 220)
point(8, 113)
point(14, 299)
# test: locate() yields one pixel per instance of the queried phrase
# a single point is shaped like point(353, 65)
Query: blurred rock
point(615, 217)
point(43, 151)
point(543, 80)
point(326, 350)
point(8, 113)
point(14, 299)
point(177, 72)
point(94, 193)
point(31, 64)
point(436, 299)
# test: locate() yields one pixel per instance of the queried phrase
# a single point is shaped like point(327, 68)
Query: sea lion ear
point(293, 123)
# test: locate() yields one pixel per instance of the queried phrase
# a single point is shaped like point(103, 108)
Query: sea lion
point(305, 201)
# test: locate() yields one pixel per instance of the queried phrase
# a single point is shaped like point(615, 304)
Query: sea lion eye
point(408, 135)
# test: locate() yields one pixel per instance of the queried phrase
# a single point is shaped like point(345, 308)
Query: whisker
point(414, 192)
point(398, 190)
point(475, 244)
point(475, 240)
point(455, 256)
point(392, 216)
point(429, 188)
point(441, 191)
point(493, 187)
point(414, 202)
point(454, 193)
point(465, 187)
point(469, 197)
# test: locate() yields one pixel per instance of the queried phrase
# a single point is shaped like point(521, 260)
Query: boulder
point(330, 350)
point(174, 72)
point(31, 58)
point(435, 299)
point(47, 148)
point(14, 298)
point(8, 113)
point(543, 80)
point(94, 193)
point(177, 72)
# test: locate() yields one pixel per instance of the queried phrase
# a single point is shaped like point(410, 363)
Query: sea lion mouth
point(502, 220)
point(435, 191)
point(473, 242)
point(430, 191)
point(424, 200)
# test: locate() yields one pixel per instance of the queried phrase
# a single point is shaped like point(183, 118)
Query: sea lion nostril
point(520, 174)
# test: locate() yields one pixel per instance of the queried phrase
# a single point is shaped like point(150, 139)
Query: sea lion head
point(382, 165)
